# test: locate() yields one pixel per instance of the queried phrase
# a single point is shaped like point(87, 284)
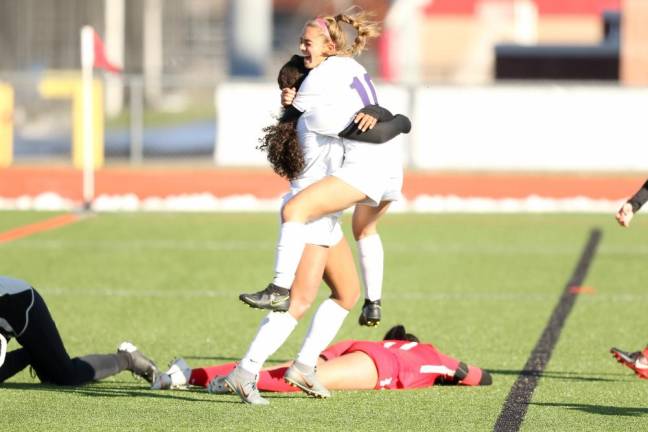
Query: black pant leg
point(102, 365)
point(15, 361)
point(50, 359)
point(43, 342)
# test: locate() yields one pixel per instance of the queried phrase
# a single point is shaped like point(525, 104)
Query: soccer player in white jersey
point(334, 91)
point(305, 157)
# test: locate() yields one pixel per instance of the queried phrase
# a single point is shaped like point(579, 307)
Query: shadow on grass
point(123, 390)
point(575, 376)
point(599, 409)
point(220, 360)
point(211, 358)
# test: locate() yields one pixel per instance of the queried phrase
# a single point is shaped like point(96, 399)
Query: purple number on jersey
point(357, 85)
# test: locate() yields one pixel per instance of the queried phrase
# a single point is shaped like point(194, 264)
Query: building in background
point(177, 53)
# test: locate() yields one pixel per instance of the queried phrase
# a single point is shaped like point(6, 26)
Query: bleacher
point(563, 61)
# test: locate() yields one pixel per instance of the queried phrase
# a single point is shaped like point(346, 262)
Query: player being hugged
point(305, 161)
point(337, 88)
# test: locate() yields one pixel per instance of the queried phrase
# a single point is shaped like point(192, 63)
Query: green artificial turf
point(480, 287)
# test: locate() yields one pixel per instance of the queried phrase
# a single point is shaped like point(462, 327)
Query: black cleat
point(273, 298)
point(370, 315)
point(139, 364)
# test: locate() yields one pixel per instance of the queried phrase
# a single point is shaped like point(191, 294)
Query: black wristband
point(640, 198)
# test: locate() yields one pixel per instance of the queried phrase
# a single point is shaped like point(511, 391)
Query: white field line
point(618, 297)
point(249, 203)
point(391, 247)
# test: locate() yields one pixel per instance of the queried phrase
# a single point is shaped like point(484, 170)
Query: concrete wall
point(492, 128)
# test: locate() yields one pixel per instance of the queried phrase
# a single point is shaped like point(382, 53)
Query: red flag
point(100, 59)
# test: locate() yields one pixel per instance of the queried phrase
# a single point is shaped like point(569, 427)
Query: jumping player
point(326, 249)
point(399, 361)
point(638, 360)
point(335, 89)
point(287, 157)
point(25, 316)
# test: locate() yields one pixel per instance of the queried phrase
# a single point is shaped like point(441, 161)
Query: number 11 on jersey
point(358, 86)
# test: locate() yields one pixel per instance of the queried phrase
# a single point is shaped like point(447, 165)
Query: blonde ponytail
point(361, 22)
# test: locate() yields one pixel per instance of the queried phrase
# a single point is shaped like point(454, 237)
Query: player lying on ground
point(397, 362)
point(25, 316)
point(638, 360)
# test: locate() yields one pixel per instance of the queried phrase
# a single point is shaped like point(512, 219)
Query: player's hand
point(365, 121)
point(625, 214)
point(288, 95)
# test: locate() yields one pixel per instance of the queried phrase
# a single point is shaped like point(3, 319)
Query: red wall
point(545, 7)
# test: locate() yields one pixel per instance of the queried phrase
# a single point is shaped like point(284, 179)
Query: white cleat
point(177, 377)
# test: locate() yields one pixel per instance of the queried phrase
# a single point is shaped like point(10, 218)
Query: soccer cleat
point(273, 298)
point(177, 377)
point(244, 385)
point(139, 364)
point(632, 360)
point(370, 315)
point(306, 381)
point(217, 386)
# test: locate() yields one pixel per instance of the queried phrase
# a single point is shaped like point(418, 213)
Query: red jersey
point(400, 364)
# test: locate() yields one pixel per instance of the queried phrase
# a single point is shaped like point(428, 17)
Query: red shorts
point(386, 363)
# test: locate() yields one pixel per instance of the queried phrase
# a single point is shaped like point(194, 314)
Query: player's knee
point(299, 306)
point(347, 300)
point(360, 232)
point(291, 212)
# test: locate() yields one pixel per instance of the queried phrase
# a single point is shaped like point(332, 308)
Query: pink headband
point(322, 24)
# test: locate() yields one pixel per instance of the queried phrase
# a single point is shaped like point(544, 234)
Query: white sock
point(290, 248)
point(273, 332)
point(325, 324)
point(371, 256)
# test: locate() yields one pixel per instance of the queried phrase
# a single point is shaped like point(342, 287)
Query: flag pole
point(87, 63)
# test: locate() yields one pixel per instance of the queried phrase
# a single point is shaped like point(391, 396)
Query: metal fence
point(181, 126)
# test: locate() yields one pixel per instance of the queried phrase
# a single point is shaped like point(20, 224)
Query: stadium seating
point(563, 61)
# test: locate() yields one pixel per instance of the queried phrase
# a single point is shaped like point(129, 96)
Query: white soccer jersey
point(329, 98)
point(322, 156)
point(333, 93)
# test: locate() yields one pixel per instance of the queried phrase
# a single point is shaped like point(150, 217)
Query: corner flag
point(93, 55)
point(100, 59)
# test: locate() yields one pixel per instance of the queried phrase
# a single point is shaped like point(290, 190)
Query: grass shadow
point(575, 376)
point(221, 359)
point(599, 409)
point(126, 390)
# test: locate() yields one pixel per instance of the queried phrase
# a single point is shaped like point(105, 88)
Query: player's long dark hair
point(398, 333)
point(280, 140)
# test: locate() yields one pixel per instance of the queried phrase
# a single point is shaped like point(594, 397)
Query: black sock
point(103, 365)
point(125, 360)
